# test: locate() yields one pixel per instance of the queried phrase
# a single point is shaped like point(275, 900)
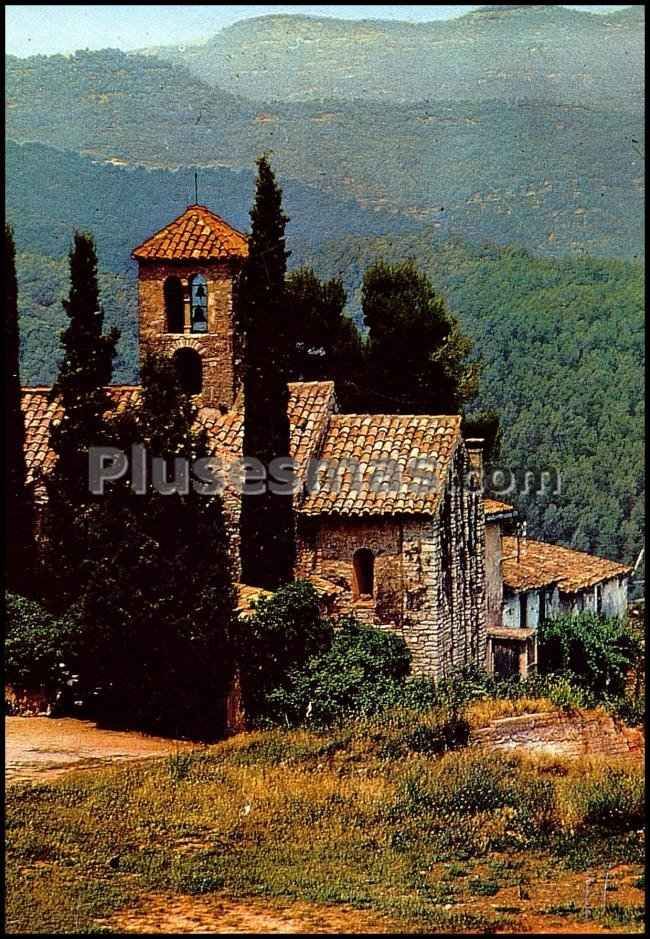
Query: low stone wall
point(558, 733)
point(26, 702)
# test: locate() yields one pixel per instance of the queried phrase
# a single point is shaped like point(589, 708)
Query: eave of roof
point(196, 235)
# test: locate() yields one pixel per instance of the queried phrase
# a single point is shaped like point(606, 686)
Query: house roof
point(310, 404)
point(197, 234)
point(540, 565)
point(392, 464)
point(493, 508)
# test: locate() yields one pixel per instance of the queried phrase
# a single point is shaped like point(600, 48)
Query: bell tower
point(187, 280)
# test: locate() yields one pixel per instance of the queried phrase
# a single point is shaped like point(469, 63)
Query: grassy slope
point(361, 816)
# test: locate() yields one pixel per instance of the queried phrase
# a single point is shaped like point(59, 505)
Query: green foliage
point(615, 800)
point(578, 319)
point(158, 604)
point(282, 632)
point(266, 519)
point(596, 651)
point(417, 356)
point(80, 389)
point(41, 650)
point(360, 673)
point(18, 504)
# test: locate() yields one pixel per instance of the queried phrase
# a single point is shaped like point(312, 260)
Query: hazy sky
point(44, 30)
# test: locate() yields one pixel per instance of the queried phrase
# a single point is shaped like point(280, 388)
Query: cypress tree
point(19, 509)
point(159, 603)
point(80, 389)
point(417, 357)
point(266, 524)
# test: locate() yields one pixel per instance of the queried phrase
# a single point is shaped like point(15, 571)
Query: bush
point(283, 631)
point(610, 797)
point(596, 652)
point(362, 672)
point(41, 650)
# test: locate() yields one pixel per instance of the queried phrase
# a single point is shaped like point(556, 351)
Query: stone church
point(425, 555)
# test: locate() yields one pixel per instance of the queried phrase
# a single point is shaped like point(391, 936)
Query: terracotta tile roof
point(402, 449)
point(39, 413)
point(542, 564)
point(197, 234)
point(310, 404)
point(493, 507)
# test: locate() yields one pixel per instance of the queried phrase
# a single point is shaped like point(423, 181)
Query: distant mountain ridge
point(544, 52)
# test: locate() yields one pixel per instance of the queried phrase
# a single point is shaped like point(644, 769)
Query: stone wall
point(217, 347)
point(556, 733)
point(429, 573)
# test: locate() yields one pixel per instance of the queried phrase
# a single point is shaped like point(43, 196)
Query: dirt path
point(159, 913)
point(41, 748)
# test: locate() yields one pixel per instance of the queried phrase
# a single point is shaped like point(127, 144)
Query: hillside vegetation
point(364, 819)
point(548, 173)
point(562, 344)
point(503, 52)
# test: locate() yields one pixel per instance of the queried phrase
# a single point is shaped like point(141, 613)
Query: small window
point(174, 305)
point(190, 370)
point(599, 598)
point(523, 610)
point(199, 300)
point(364, 573)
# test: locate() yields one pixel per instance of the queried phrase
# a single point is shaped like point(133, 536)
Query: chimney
point(475, 452)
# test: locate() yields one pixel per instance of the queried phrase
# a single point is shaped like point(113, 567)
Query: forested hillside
point(562, 344)
point(503, 52)
point(555, 177)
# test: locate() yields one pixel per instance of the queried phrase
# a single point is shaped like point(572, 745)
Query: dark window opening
point(599, 598)
point(523, 610)
point(189, 370)
point(364, 573)
point(542, 606)
point(199, 300)
point(174, 305)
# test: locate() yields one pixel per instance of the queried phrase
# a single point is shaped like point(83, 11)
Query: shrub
point(361, 673)
point(41, 650)
point(283, 631)
point(595, 651)
point(611, 797)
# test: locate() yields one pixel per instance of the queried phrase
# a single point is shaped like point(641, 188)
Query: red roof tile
point(400, 464)
point(197, 234)
point(493, 507)
point(538, 564)
point(310, 404)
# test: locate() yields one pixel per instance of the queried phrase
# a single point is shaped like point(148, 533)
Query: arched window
point(199, 297)
point(190, 370)
point(174, 305)
point(364, 573)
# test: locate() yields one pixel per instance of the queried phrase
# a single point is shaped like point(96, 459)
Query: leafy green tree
point(158, 605)
point(418, 359)
point(281, 633)
point(19, 508)
point(327, 344)
point(41, 650)
point(80, 389)
point(266, 524)
point(595, 650)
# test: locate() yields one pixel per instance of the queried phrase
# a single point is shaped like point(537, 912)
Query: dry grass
point(356, 818)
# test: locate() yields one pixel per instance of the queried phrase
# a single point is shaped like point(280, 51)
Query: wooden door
point(506, 658)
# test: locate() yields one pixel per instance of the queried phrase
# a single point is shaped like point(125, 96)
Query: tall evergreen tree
point(158, 606)
point(19, 509)
point(417, 357)
point(267, 525)
point(80, 389)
